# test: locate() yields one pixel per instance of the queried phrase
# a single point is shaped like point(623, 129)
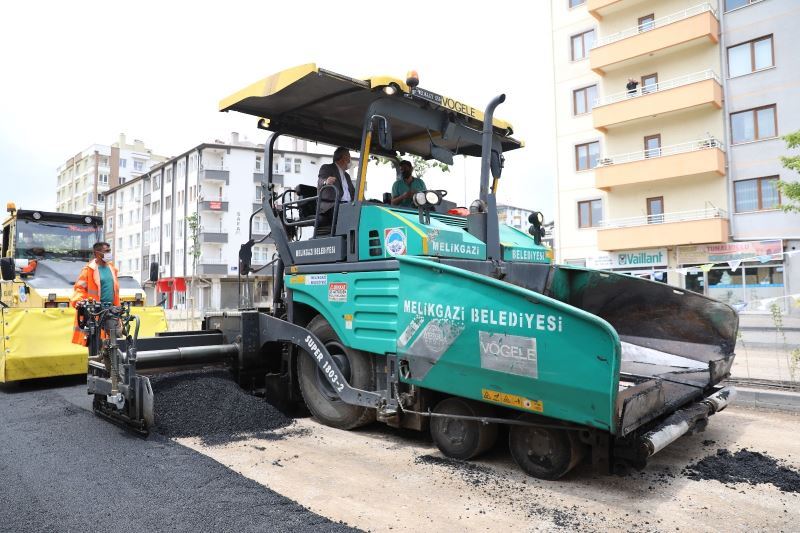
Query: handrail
point(657, 23)
point(681, 148)
point(678, 216)
point(680, 81)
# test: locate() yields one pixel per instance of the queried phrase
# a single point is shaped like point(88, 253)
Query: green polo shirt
point(401, 187)
point(106, 284)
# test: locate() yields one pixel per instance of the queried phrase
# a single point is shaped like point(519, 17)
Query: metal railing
point(655, 24)
point(641, 155)
point(665, 218)
point(213, 167)
point(686, 79)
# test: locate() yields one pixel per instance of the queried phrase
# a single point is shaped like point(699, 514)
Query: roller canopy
point(319, 105)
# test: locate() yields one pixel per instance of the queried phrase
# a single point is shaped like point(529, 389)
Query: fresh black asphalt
point(63, 469)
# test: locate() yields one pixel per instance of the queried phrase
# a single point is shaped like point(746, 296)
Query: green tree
point(421, 166)
point(790, 191)
point(193, 223)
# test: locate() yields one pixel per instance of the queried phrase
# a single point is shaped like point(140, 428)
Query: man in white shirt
point(334, 174)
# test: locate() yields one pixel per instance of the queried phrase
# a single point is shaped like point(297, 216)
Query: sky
point(82, 72)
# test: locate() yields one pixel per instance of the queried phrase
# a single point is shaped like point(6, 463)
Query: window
point(167, 203)
point(583, 99)
point(276, 166)
point(652, 145)
point(258, 162)
point(750, 56)
point(168, 176)
point(110, 224)
point(191, 193)
point(576, 3)
point(754, 124)
point(297, 163)
point(156, 183)
point(123, 163)
point(649, 83)
point(136, 264)
point(259, 193)
point(167, 230)
point(155, 234)
point(586, 155)
point(137, 240)
point(192, 162)
point(130, 241)
point(179, 225)
point(581, 44)
point(655, 210)
point(180, 198)
point(647, 22)
point(287, 164)
point(104, 161)
point(120, 221)
point(590, 213)
point(734, 4)
point(756, 194)
point(145, 238)
point(166, 258)
point(122, 180)
point(138, 165)
point(119, 244)
point(181, 174)
point(103, 178)
point(155, 208)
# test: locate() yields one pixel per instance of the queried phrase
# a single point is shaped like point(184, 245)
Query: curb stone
point(767, 399)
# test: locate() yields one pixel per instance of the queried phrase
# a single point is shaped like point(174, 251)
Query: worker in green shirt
point(403, 189)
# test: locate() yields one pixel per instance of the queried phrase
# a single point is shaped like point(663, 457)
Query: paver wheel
point(356, 367)
point(459, 438)
point(545, 453)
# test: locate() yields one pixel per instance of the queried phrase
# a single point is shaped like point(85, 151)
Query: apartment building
point(85, 177)
point(668, 120)
point(148, 219)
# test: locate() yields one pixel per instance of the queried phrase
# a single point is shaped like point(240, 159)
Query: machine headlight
point(432, 198)
point(419, 198)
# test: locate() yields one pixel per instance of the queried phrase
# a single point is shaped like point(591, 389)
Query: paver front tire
point(320, 397)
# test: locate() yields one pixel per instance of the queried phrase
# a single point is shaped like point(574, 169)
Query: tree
point(193, 223)
point(421, 166)
point(790, 191)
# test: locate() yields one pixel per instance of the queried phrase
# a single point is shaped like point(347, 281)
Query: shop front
point(746, 275)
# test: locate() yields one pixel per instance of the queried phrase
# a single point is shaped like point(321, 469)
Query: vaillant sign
point(653, 257)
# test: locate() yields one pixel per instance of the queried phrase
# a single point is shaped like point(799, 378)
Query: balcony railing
point(641, 155)
point(665, 218)
point(666, 85)
point(657, 23)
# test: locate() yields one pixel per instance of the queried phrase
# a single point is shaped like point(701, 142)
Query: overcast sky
point(78, 73)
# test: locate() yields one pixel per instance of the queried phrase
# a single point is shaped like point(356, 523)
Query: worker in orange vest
point(97, 281)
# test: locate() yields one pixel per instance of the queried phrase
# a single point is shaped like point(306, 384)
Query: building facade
point(213, 187)
point(84, 178)
point(668, 116)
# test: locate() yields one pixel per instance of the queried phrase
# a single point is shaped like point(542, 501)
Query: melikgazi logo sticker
point(394, 241)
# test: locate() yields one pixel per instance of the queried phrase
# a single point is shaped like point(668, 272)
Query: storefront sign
point(652, 257)
point(729, 251)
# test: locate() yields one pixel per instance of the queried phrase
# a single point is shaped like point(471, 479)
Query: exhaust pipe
point(681, 422)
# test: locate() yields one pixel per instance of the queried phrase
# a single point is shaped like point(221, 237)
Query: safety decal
point(348, 321)
point(317, 279)
point(337, 292)
point(23, 295)
point(297, 280)
point(395, 241)
point(513, 400)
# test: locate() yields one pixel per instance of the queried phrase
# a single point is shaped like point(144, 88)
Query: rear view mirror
point(7, 268)
point(442, 154)
point(153, 272)
point(384, 134)
point(496, 164)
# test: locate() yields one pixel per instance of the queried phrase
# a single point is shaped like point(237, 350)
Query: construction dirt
point(745, 466)
point(208, 404)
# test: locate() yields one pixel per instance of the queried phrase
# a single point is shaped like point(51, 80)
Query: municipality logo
point(394, 240)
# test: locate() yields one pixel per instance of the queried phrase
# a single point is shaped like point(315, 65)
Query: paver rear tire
point(459, 438)
point(544, 453)
point(357, 368)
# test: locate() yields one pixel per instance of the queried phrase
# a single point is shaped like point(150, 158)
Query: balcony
point(696, 90)
point(698, 159)
point(212, 266)
point(208, 237)
point(212, 173)
point(602, 8)
point(670, 229)
point(216, 206)
point(698, 24)
point(277, 179)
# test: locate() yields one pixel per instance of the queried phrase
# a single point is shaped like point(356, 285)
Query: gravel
point(745, 466)
point(210, 405)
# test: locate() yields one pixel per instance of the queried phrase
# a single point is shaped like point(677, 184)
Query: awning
point(171, 285)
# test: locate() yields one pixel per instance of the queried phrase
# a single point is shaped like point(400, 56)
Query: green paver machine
point(421, 318)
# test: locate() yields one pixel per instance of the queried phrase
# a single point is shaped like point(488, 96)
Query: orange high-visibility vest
point(87, 287)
